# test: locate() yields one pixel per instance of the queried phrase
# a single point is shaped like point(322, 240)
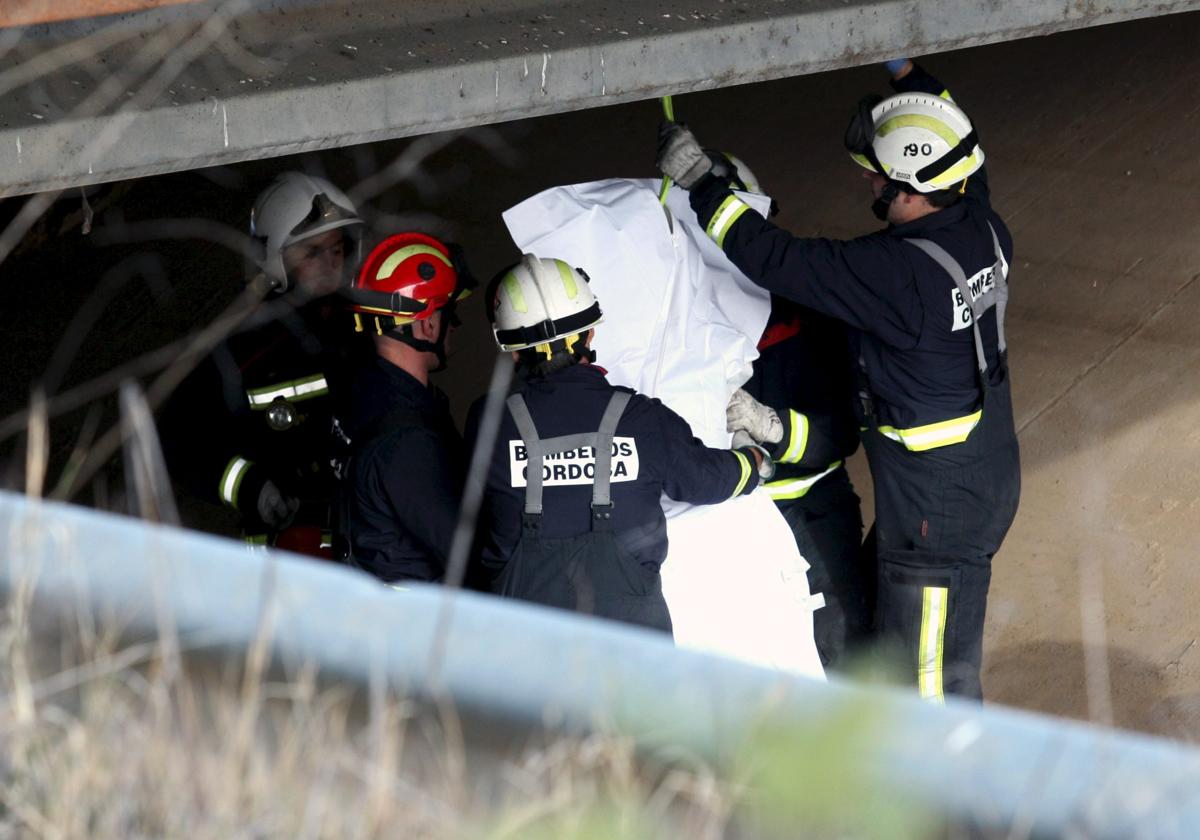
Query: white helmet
point(296, 207)
point(917, 139)
point(538, 301)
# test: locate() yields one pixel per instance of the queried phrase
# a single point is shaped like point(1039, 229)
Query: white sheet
point(681, 324)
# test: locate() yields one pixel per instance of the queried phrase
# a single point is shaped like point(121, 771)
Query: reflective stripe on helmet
point(730, 211)
point(934, 435)
point(297, 389)
point(516, 298)
point(918, 121)
point(401, 254)
point(568, 278)
point(795, 488)
point(231, 479)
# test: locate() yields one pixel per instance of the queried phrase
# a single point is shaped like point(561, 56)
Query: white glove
point(680, 157)
point(274, 508)
point(746, 414)
point(766, 466)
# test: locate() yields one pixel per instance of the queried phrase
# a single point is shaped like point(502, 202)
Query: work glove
point(766, 466)
point(680, 156)
point(274, 508)
point(760, 422)
point(895, 65)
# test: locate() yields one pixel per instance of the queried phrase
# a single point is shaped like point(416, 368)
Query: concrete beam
point(220, 82)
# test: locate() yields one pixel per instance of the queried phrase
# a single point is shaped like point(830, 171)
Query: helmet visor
point(324, 215)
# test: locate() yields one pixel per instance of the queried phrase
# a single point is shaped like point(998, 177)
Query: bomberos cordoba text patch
point(575, 466)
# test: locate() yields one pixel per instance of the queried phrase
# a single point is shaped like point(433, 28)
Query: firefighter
point(250, 427)
point(924, 299)
point(402, 465)
point(573, 495)
point(803, 375)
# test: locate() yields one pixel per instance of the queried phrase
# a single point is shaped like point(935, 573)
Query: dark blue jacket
point(918, 368)
point(804, 368)
point(401, 488)
point(656, 454)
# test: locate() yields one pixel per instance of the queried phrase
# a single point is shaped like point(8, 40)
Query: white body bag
point(681, 323)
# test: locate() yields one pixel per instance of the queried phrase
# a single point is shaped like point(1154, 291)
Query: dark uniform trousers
point(940, 516)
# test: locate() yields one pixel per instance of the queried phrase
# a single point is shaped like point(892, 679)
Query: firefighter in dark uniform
point(573, 496)
point(250, 427)
point(925, 300)
point(401, 459)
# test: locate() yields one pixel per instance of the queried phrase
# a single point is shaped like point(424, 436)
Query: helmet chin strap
point(880, 206)
point(405, 335)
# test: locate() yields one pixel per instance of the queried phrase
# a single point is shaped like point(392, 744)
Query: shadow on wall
point(1050, 678)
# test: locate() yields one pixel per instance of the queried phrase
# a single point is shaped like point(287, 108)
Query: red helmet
point(406, 277)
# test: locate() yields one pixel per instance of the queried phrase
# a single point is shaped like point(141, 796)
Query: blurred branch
point(93, 389)
point(145, 468)
point(50, 61)
point(197, 347)
point(37, 446)
point(175, 53)
point(406, 166)
point(83, 443)
point(123, 233)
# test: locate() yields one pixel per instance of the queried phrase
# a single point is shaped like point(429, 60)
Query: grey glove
point(680, 157)
point(274, 508)
point(746, 414)
point(766, 466)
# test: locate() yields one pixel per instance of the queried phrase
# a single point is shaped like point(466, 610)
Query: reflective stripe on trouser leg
point(932, 640)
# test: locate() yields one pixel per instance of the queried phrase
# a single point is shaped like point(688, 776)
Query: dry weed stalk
point(105, 741)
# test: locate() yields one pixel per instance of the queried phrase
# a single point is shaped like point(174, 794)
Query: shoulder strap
point(601, 497)
point(977, 304)
point(537, 448)
point(533, 448)
point(1001, 290)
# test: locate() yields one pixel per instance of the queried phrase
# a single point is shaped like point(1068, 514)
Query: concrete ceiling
point(183, 86)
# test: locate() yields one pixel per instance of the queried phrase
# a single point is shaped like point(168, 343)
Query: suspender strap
point(996, 296)
point(533, 448)
point(604, 438)
point(977, 305)
point(537, 449)
point(1001, 291)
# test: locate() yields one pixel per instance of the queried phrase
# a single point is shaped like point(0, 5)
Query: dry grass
point(100, 740)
